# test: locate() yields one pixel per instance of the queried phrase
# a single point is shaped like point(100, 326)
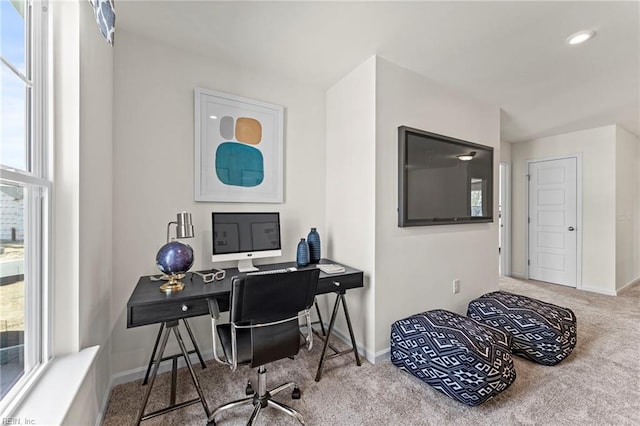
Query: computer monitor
point(244, 237)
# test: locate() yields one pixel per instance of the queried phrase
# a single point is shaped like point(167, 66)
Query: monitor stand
point(246, 265)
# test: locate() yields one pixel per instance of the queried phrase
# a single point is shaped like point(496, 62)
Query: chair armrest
point(214, 310)
point(309, 337)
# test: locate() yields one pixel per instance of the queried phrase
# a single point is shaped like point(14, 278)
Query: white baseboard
point(383, 355)
point(599, 291)
point(370, 356)
point(138, 373)
point(102, 409)
point(627, 285)
point(606, 292)
point(518, 276)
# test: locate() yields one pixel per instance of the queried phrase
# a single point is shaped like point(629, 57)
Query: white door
point(553, 242)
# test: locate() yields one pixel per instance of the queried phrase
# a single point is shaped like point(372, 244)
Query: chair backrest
point(262, 299)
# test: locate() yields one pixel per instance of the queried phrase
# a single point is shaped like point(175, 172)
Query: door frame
point(505, 193)
point(578, 157)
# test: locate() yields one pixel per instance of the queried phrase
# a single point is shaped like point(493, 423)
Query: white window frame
point(38, 218)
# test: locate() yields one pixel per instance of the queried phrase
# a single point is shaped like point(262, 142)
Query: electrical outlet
point(456, 286)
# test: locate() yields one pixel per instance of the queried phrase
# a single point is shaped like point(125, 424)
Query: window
point(25, 200)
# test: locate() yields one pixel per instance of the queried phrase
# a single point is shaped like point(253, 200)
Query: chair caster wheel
point(211, 422)
point(249, 389)
point(296, 393)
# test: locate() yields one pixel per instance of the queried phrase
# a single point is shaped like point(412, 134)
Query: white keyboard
point(271, 271)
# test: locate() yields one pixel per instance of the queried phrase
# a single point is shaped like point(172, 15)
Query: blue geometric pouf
point(542, 332)
point(465, 360)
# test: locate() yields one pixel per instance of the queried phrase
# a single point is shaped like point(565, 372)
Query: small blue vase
point(313, 240)
point(302, 257)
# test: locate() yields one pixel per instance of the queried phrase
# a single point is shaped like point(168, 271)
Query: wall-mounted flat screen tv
point(443, 180)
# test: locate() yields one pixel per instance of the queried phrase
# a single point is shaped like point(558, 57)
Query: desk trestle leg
point(315, 302)
point(196, 349)
point(339, 299)
point(169, 327)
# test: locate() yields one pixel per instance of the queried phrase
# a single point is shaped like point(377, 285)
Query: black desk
point(148, 305)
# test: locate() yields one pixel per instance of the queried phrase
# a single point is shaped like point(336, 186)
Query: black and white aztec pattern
point(459, 357)
point(105, 17)
point(542, 332)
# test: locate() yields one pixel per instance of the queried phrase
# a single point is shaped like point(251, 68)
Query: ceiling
point(510, 54)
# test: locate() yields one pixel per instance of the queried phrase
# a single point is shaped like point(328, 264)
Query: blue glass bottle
point(302, 256)
point(313, 239)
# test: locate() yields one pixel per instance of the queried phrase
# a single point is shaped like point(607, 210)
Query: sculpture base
point(178, 276)
point(172, 286)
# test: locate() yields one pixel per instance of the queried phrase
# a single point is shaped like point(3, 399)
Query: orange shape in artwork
point(248, 130)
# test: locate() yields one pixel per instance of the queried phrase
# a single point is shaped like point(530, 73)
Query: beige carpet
point(598, 384)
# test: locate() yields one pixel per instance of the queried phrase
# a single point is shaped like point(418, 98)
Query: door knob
point(571, 228)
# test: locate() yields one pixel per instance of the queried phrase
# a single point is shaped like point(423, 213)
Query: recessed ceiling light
point(580, 37)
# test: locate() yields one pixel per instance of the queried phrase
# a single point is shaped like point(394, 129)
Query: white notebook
point(331, 268)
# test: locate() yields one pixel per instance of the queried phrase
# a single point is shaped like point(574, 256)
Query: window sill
point(50, 398)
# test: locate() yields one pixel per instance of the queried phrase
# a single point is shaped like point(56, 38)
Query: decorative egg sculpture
point(174, 259)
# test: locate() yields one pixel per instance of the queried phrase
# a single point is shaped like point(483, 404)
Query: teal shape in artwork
point(238, 164)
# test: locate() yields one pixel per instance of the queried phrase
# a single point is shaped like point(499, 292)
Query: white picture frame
point(239, 150)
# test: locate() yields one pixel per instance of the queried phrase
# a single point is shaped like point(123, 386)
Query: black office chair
point(263, 327)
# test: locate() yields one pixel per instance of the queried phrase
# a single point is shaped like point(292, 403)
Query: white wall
point(153, 169)
point(96, 207)
point(505, 152)
point(506, 157)
point(66, 127)
point(415, 266)
point(627, 208)
point(408, 270)
point(96, 172)
point(83, 101)
point(350, 200)
point(597, 147)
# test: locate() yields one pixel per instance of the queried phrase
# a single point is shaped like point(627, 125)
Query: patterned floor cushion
point(541, 332)
point(459, 357)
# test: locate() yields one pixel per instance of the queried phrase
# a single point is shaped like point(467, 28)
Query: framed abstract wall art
point(238, 149)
